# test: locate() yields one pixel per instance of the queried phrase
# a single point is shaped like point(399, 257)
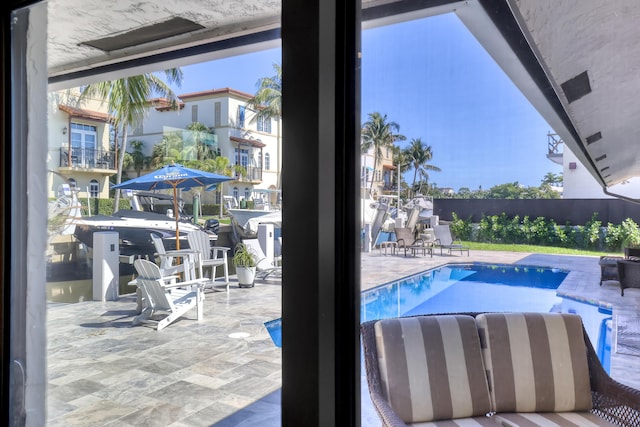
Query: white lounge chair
point(264, 267)
point(162, 294)
point(211, 257)
point(444, 240)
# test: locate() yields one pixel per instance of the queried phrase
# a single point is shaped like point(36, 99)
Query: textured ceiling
point(591, 54)
point(74, 22)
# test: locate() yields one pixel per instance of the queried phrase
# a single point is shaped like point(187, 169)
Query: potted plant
point(245, 263)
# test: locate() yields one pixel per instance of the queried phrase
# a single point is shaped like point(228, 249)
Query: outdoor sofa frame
point(612, 401)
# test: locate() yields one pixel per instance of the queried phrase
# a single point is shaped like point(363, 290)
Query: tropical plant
point(167, 150)
point(551, 178)
point(127, 100)
point(203, 146)
point(267, 102)
point(137, 156)
point(419, 155)
point(243, 256)
point(377, 134)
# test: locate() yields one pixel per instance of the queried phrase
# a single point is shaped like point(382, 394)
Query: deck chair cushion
point(536, 362)
point(413, 356)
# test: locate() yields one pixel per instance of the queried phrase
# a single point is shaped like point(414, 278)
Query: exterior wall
point(383, 177)
point(579, 184)
point(57, 120)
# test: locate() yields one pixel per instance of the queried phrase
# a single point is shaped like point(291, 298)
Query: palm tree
point(420, 155)
point(551, 178)
point(268, 105)
point(203, 147)
point(137, 156)
point(378, 133)
point(127, 100)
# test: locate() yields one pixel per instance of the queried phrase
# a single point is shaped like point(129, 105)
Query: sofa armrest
point(612, 400)
point(387, 415)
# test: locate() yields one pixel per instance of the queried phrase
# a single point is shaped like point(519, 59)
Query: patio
point(226, 371)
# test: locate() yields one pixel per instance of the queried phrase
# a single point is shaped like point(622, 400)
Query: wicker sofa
point(491, 369)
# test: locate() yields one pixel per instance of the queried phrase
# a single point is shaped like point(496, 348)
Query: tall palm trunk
point(373, 173)
point(121, 154)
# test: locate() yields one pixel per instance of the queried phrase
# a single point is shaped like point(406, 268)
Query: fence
point(575, 211)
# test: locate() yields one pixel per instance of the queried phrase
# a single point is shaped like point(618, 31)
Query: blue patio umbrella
point(173, 176)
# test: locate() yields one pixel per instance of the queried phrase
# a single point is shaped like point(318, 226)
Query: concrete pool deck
point(225, 371)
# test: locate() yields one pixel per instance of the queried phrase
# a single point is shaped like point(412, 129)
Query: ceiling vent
point(593, 138)
point(604, 168)
point(597, 159)
point(576, 87)
point(158, 31)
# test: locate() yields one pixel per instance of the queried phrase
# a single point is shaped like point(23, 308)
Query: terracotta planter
point(246, 276)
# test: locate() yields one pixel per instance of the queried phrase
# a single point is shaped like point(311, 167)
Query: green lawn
point(533, 249)
point(225, 220)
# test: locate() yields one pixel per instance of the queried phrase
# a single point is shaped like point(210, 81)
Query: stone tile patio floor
point(225, 371)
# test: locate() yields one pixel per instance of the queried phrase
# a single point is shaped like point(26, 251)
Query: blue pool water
point(479, 287)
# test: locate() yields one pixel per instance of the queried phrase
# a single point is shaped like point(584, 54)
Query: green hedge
point(102, 206)
point(541, 231)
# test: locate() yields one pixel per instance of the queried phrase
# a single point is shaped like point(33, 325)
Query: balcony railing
point(87, 158)
point(254, 174)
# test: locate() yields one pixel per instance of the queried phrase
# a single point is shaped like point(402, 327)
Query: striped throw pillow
point(431, 367)
point(536, 362)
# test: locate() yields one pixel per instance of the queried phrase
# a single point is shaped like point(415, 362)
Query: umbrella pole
point(175, 213)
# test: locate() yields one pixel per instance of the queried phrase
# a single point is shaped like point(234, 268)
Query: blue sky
point(438, 83)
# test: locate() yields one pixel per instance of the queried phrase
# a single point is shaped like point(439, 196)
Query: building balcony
point(253, 175)
point(87, 160)
point(554, 148)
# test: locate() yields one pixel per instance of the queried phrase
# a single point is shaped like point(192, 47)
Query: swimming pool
point(474, 287)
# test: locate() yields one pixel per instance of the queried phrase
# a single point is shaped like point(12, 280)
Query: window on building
point(83, 144)
point(94, 188)
point(217, 114)
point(194, 113)
point(236, 194)
point(241, 113)
point(247, 194)
point(267, 161)
point(242, 157)
point(264, 124)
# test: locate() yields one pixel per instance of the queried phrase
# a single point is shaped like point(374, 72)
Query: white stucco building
point(578, 182)
point(240, 136)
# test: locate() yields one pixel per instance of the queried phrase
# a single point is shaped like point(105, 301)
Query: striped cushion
point(431, 367)
point(461, 422)
point(548, 419)
point(536, 362)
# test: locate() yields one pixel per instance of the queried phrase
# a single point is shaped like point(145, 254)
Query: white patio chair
point(162, 294)
point(170, 262)
point(211, 257)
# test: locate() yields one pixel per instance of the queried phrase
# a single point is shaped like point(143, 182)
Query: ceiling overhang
point(580, 63)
